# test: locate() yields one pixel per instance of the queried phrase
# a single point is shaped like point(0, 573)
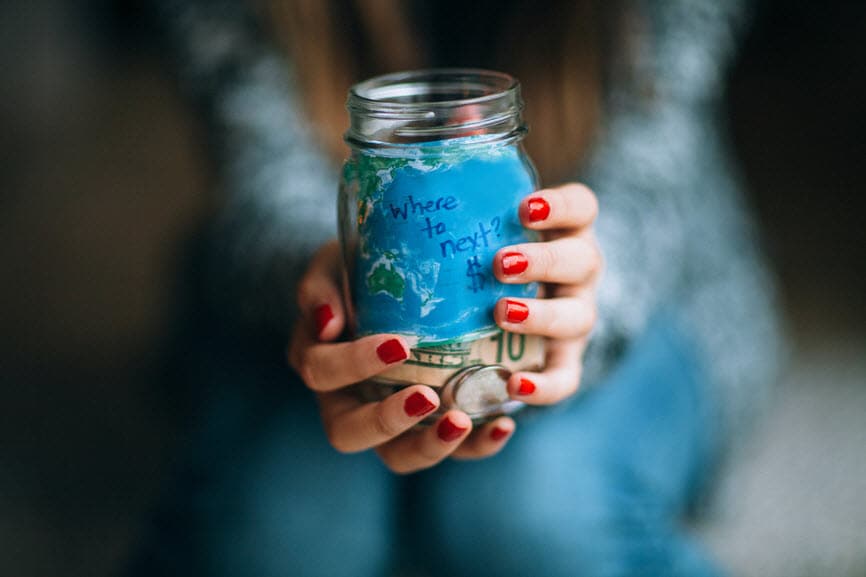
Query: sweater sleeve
point(671, 220)
point(277, 191)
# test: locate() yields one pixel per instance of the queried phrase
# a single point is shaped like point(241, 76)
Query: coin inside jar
point(481, 392)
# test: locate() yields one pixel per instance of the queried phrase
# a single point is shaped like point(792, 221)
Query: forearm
point(276, 190)
point(658, 164)
point(640, 229)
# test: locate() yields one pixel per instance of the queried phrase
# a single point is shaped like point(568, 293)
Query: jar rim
point(434, 106)
point(384, 91)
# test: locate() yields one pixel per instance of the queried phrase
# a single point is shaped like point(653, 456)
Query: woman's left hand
point(568, 263)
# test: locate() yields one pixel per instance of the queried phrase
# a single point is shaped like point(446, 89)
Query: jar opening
point(433, 107)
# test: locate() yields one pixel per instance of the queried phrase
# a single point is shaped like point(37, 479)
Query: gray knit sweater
point(672, 225)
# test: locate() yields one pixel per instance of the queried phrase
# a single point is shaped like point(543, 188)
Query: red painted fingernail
point(417, 404)
point(538, 209)
point(323, 315)
point(497, 434)
point(527, 387)
point(516, 312)
point(514, 263)
point(391, 351)
point(448, 431)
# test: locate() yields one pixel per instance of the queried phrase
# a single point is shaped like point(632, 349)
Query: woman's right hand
point(329, 368)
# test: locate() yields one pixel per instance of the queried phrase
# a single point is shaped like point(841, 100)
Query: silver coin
point(480, 391)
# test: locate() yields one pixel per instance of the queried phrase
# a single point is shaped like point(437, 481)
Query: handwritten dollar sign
point(474, 272)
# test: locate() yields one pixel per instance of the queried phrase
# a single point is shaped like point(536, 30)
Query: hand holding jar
point(468, 292)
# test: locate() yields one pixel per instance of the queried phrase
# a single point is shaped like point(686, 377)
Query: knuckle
point(555, 324)
point(546, 260)
point(582, 318)
point(591, 201)
point(398, 469)
point(432, 449)
point(306, 291)
point(546, 318)
point(395, 465)
point(382, 425)
point(581, 203)
point(572, 250)
point(306, 372)
point(567, 385)
point(337, 441)
point(592, 257)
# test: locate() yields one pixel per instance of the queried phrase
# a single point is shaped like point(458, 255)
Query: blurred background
point(103, 184)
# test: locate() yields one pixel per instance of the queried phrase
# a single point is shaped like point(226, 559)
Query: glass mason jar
point(429, 193)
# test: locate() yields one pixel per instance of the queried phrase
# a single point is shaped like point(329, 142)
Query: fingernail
point(391, 351)
point(514, 263)
point(448, 431)
point(526, 387)
point(497, 434)
point(323, 315)
point(417, 404)
point(538, 209)
point(516, 312)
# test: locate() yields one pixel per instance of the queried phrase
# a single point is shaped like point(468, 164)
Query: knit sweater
point(673, 225)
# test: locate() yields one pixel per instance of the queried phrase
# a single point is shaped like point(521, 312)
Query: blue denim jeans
point(596, 487)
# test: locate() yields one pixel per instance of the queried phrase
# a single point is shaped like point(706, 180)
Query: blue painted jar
point(428, 195)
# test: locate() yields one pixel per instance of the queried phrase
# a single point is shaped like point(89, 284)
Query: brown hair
point(552, 47)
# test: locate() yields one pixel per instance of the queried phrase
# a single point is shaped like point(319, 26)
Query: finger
point(559, 380)
point(353, 426)
point(422, 449)
point(319, 296)
point(560, 318)
point(486, 441)
point(329, 366)
point(568, 260)
point(567, 206)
